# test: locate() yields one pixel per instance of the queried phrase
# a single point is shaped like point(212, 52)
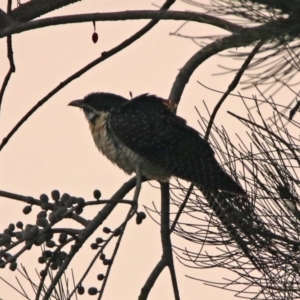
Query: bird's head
point(95, 104)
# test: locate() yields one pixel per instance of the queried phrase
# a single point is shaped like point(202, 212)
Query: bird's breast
point(120, 154)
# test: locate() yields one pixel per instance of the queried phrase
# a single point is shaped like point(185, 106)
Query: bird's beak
point(77, 103)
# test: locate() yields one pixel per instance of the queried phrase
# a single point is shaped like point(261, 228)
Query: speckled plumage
point(144, 133)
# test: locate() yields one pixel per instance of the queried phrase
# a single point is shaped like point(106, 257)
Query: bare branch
point(231, 87)
point(33, 9)
point(123, 16)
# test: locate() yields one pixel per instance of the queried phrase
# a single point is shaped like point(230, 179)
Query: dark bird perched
point(143, 134)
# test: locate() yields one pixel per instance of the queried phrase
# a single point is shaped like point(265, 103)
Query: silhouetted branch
point(231, 87)
point(151, 280)
point(167, 256)
point(279, 58)
point(33, 9)
point(166, 237)
point(243, 38)
point(12, 67)
point(122, 16)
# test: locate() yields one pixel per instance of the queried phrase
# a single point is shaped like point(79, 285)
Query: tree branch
point(167, 256)
point(123, 16)
point(33, 9)
point(166, 236)
point(240, 39)
point(231, 87)
point(151, 280)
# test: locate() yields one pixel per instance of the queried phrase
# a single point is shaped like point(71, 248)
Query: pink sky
point(54, 149)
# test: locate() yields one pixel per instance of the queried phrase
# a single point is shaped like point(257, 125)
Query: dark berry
point(44, 198)
point(106, 230)
point(99, 240)
point(80, 201)
point(19, 225)
point(13, 265)
point(62, 237)
point(27, 209)
point(64, 198)
point(78, 210)
point(92, 291)
point(55, 195)
point(11, 226)
point(41, 214)
point(95, 37)
point(80, 290)
point(97, 194)
point(140, 216)
point(50, 244)
point(100, 277)
point(41, 260)
point(94, 246)
point(43, 273)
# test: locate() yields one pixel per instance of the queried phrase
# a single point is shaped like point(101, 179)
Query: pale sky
point(54, 148)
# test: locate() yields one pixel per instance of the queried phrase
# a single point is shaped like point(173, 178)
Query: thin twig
point(182, 206)
point(232, 86)
point(10, 56)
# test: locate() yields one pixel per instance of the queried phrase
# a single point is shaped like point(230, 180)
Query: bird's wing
point(150, 129)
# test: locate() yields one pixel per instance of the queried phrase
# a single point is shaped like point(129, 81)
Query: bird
point(143, 134)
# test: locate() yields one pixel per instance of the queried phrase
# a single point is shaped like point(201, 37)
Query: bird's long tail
point(237, 216)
